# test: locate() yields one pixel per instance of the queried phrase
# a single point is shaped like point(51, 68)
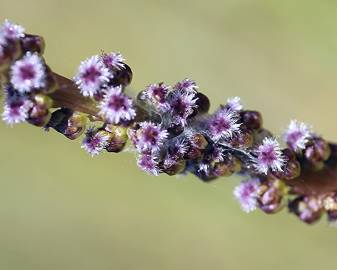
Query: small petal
point(157, 94)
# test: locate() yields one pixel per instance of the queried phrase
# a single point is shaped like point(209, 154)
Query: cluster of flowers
point(170, 128)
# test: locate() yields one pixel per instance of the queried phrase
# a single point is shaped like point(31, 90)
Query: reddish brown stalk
point(68, 96)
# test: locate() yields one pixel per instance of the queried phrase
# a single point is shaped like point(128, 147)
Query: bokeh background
point(62, 209)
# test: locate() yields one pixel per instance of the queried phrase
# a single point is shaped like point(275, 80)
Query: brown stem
point(68, 96)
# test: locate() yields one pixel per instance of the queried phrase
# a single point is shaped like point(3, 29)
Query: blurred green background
point(62, 209)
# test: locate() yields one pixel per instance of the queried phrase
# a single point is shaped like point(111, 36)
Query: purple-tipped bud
point(270, 196)
point(317, 151)
point(198, 140)
point(122, 76)
point(291, 168)
point(308, 208)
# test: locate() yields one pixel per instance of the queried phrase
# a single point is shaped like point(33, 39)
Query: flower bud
point(118, 138)
point(122, 76)
point(291, 169)
point(203, 103)
point(175, 167)
point(270, 196)
point(251, 119)
point(39, 114)
point(317, 151)
point(33, 43)
point(308, 208)
point(243, 139)
point(199, 141)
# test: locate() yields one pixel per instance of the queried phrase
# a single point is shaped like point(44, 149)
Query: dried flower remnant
point(170, 128)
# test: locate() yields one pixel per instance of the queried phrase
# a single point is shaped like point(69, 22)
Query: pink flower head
point(150, 136)
point(156, 94)
point(186, 85)
point(246, 193)
point(223, 124)
point(113, 60)
point(269, 156)
point(16, 109)
point(12, 31)
point(148, 163)
point(297, 135)
point(181, 104)
point(28, 73)
point(92, 75)
point(94, 142)
point(116, 106)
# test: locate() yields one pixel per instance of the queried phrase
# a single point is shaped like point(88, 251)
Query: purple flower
point(148, 163)
point(94, 141)
point(156, 94)
point(92, 76)
point(297, 135)
point(181, 105)
point(223, 124)
point(234, 104)
point(116, 106)
point(3, 43)
point(186, 85)
point(269, 156)
point(246, 193)
point(28, 73)
point(16, 109)
point(150, 136)
point(113, 60)
point(12, 31)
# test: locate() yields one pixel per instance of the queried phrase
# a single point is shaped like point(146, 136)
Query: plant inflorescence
point(170, 128)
